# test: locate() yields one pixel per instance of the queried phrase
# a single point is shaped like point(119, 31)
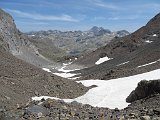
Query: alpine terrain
point(76, 42)
point(79, 75)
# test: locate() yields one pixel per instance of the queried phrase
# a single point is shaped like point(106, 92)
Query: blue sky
point(34, 15)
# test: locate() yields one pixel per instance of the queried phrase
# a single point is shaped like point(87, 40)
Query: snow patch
point(111, 93)
point(46, 69)
point(101, 60)
point(154, 35)
point(122, 63)
point(65, 75)
point(62, 69)
point(148, 41)
point(65, 64)
point(31, 35)
point(74, 78)
point(66, 71)
point(44, 97)
point(148, 64)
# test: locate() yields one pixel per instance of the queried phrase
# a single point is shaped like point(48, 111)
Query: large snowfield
point(110, 93)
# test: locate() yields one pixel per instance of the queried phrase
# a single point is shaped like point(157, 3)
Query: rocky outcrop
point(19, 44)
point(144, 89)
point(11, 39)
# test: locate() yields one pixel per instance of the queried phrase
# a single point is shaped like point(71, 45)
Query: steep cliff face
point(11, 39)
point(17, 43)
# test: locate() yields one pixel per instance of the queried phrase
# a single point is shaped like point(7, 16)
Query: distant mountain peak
point(95, 28)
point(99, 30)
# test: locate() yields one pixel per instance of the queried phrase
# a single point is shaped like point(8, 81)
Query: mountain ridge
point(127, 44)
point(78, 42)
point(126, 54)
point(130, 55)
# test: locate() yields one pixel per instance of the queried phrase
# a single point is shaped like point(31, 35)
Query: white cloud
point(99, 18)
point(31, 23)
point(151, 5)
point(114, 18)
point(40, 3)
point(100, 3)
point(142, 8)
point(110, 6)
point(131, 17)
point(36, 16)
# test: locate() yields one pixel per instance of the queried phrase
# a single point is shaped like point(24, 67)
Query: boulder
point(37, 111)
point(144, 89)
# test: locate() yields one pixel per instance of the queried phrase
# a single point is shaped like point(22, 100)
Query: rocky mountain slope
point(11, 37)
point(77, 42)
point(19, 80)
point(43, 47)
point(126, 45)
point(143, 109)
point(129, 55)
point(46, 48)
point(20, 45)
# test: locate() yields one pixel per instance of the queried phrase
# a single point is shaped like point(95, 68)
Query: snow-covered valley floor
point(111, 93)
point(65, 73)
point(62, 72)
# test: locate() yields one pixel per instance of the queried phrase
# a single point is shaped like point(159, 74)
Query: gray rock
point(38, 111)
point(2, 114)
point(145, 118)
point(157, 111)
point(144, 89)
point(156, 118)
